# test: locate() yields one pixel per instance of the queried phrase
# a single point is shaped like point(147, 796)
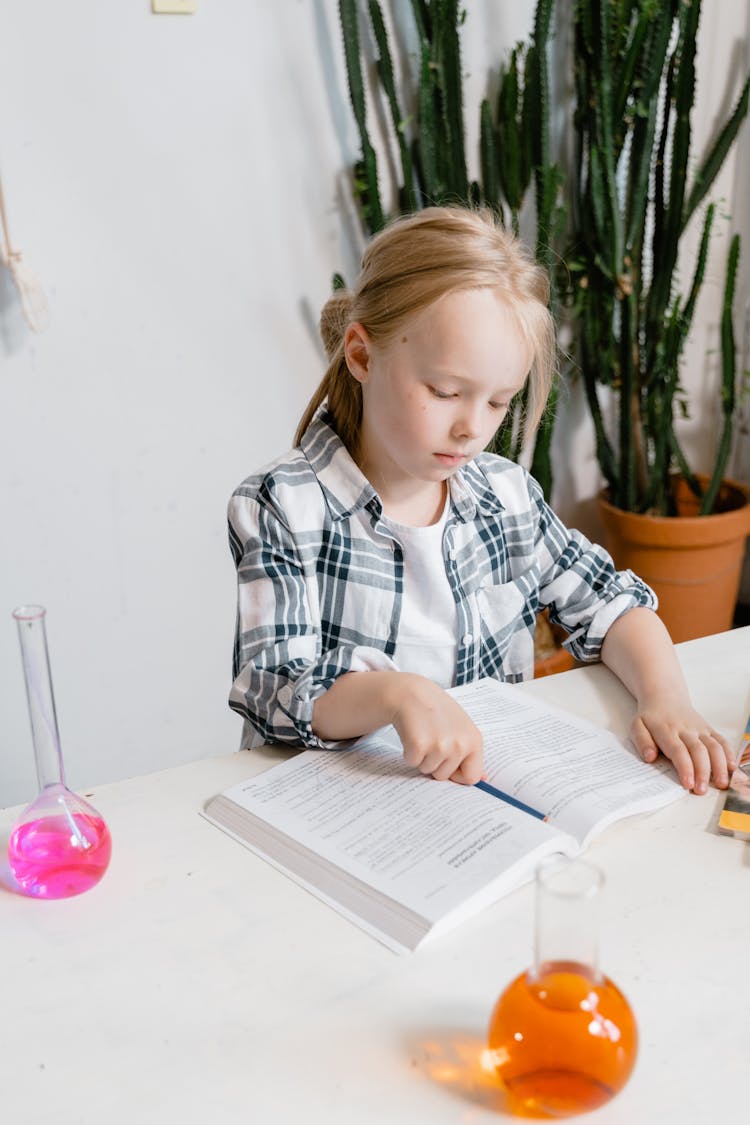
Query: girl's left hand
point(639, 650)
point(697, 751)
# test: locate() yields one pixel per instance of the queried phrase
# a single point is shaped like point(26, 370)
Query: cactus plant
point(631, 205)
point(514, 146)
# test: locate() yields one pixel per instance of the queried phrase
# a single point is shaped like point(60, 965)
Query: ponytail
point(342, 390)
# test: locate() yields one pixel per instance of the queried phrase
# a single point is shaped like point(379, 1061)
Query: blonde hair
point(409, 265)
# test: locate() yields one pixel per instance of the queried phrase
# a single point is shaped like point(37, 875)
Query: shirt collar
point(344, 485)
point(471, 491)
point(347, 489)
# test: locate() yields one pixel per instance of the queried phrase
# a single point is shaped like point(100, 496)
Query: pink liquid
point(50, 860)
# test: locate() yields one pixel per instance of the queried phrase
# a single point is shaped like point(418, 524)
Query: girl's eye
point(498, 406)
point(440, 394)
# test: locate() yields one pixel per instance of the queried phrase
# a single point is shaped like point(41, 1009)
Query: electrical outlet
point(174, 7)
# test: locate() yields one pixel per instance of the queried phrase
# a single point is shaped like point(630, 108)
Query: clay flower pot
point(549, 655)
point(692, 562)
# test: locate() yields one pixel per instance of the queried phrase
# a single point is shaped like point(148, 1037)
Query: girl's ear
point(357, 349)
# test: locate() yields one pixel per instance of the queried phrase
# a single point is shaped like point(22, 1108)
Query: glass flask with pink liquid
point(60, 845)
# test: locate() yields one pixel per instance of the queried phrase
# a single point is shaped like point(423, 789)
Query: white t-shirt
point(427, 642)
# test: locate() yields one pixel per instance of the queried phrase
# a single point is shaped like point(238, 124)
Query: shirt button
point(285, 696)
point(452, 553)
point(467, 638)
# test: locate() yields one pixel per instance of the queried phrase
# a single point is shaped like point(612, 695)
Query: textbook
point(734, 818)
point(408, 858)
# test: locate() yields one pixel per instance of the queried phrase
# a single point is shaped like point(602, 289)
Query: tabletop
point(196, 983)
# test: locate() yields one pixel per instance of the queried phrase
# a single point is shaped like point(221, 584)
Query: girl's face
point(434, 396)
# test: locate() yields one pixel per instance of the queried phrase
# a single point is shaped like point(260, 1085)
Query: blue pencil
point(485, 787)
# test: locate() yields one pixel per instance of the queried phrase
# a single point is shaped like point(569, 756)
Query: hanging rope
point(33, 300)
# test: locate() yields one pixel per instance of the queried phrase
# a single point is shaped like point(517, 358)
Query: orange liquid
point(562, 1042)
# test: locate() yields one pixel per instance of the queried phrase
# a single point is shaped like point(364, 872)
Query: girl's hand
point(639, 650)
point(697, 751)
point(438, 736)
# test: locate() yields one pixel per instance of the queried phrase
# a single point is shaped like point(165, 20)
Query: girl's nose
point(468, 424)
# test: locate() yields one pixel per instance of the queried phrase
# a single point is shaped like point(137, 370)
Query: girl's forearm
point(359, 703)
point(639, 650)
point(438, 737)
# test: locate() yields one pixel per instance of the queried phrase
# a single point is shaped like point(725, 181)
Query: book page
point(427, 844)
point(577, 775)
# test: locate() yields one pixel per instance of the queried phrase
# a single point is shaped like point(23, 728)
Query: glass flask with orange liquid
point(59, 846)
point(562, 1037)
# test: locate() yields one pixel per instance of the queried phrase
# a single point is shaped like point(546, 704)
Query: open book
point(407, 857)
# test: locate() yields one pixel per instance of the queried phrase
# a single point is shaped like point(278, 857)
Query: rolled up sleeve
point(279, 669)
point(580, 584)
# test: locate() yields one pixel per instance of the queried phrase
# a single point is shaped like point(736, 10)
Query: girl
point(387, 557)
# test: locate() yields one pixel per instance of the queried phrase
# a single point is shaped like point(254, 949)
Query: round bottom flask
point(60, 845)
point(562, 1037)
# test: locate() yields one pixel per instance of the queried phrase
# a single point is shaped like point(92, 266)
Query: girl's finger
point(672, 747)
point(432, 761)
point(644, 743)
point(701, 761)
point(445, 770)
point(717, 754)
point(471, 768)
point(729, 752)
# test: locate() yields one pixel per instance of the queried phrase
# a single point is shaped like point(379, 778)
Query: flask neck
point(568, 894)
point(33, 639)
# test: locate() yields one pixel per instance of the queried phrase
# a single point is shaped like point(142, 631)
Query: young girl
point(387, 557)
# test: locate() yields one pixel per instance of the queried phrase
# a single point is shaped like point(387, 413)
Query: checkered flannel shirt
point(320, 581)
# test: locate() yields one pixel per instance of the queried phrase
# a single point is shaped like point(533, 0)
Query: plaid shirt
point(320, 580)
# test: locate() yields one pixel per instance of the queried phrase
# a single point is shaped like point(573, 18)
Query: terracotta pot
point(693, 562)
point(560, 661)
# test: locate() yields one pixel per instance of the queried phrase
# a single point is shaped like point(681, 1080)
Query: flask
point(562, 1037)
point(60, 845)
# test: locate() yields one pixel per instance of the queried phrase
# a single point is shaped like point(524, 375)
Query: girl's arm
point(279, 666)
point(639, 650)
point(438, 736)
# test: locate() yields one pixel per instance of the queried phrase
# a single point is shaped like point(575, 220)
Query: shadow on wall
point(13, 327)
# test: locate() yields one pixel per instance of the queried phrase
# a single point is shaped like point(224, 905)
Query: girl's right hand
point(437, 735)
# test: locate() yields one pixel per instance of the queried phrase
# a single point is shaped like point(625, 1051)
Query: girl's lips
point(451, 458)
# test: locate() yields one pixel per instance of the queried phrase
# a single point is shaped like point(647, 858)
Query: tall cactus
point(514, 144)
point(728, 387)
point(548, 178)
point(635, 89)
point(366, 172)
point(408, 198)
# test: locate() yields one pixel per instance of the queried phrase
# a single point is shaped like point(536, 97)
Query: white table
point(196, 984)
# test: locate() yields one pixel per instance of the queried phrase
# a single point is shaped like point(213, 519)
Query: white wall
point(723, 61)
point(172, 182)
point(177, 184)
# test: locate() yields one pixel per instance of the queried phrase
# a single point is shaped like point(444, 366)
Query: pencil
point(487, 788)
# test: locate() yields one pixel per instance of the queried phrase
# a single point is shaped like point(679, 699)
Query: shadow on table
point(455, 1060)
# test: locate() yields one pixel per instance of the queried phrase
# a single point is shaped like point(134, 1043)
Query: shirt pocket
point(504, 631)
